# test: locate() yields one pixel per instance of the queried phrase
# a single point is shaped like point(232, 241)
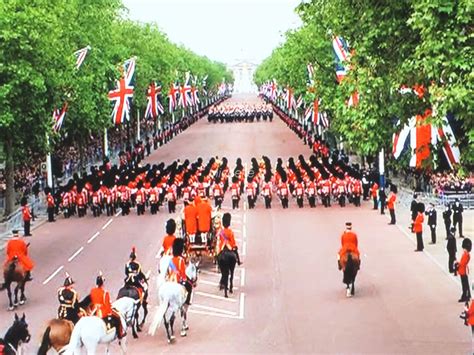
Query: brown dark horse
point(13, 271)
point(57, 335)
point(350, 266)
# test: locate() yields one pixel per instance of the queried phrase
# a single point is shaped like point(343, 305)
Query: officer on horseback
point(68, 301)
point(134, 275)
point(349, 244)
point(226, 239)
point(18, 248)
point(102, 307)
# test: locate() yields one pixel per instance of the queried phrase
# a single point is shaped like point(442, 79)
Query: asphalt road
point(289, 297)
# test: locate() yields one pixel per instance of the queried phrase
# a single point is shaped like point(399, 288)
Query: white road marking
point(210, 295)
point(93, 237)
point(238, 240)
point(237, 231)
point(242, 305)
point(207, 308)
point(244, 248)
point(107, 224)
point(195, 311)
point(244, 234)
point(147, 275)
point(211, 283)
point(242, 278)
point(245, 218)
point(118, 213)
point(53, 275)
point(75, 254)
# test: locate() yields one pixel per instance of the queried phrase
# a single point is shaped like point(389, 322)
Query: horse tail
point(159, 315)
point(45, 342)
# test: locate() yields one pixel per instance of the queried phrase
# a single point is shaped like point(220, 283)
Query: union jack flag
point(58, 117)
point(299, 102)
point(173, 97)
point(81, 55)
point(184, 98)
point(122, 96)
point(342, 57)
point(310, 69)
point(290, 99)
point(312, 114)
point(154, 106)
point(194, 96)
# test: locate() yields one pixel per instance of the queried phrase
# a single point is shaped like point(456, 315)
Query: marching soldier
point(50, 204)
point(68, 301)
point(26, 215)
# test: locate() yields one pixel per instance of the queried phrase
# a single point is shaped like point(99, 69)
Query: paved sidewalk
point(436, 252)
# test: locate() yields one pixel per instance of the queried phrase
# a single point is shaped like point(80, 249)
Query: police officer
point(432, 219)
point(457, 216)
point(68, 301)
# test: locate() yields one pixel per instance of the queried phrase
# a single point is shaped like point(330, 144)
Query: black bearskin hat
point(226, 220)
point(170, 226)
point(99, 281)
point(420, 207)
point(178, 247)
point(467, 244)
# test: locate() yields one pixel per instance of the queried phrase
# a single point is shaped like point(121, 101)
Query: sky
point(224, 30)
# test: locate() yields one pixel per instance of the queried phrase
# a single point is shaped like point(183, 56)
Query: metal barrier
point(15, 220)
point(466, 199)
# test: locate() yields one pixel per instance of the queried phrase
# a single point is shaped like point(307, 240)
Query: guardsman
point(50, 204)
point(235, 192)
point(26, 215)
point(311, 193)
point(283, 192)
point(218, 193)
point(267, 192)
point(418, 226)
point(177, 269)
point(251, 191)
point(349, 243)
point(463, 270)
point(226, 239)
point(167, 245)
point(17, 248)
point(373, 193)
point(133, 272)
point(299, 192)
point(81, 204)
point(68, 301)
point(392, 198)
point(102, 307)
point(171, 198)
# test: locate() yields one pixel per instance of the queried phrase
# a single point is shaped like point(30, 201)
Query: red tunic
point(168, 244)
point(177, 269)
point(18, 247)
point(100, 302)
point(462, 269)
point(225, 238)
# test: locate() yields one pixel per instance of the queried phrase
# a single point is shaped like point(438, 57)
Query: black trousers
point(393, 220)
point(299, 201)
point(171, 206)
point(284, 202)
point(312, 201)
point(451, 260)
point(50, 214)
point(382, 207)
point(26, 227)
point(235, 203)
point(447, 226)
point(268, 202)
point(433, 234)
point(375, 203)
point(419, 241)
point(458, 221)
point(466, 292)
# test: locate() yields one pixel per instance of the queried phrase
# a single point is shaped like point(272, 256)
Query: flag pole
point(138, 125)
point(106, 143)
point(382, 168)
point(49, 169)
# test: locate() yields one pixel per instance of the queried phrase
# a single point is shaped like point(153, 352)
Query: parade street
point(288, 296)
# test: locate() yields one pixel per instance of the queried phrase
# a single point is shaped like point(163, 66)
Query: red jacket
point(100, 302)
point(391, 201)
point(349, 242)
point(418, 224)
point(463, 263)
point(25, 211)
point(225, 238)
point(18, 247)
point(177, 269)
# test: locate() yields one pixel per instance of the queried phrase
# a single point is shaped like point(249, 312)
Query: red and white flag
point(173, 97)
point(154, 106)
point(58, 117)
point(81, 55)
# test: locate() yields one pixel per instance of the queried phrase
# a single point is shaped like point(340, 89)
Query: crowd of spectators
point(442, 183)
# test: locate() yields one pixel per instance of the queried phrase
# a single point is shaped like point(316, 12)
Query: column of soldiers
point(225, 113)
point(110, 188)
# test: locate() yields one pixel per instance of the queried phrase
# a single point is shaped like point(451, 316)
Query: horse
point(15, 336)
point(349, 270)
point(226, 261)
point(13, 271)
point(91, 331)
point(57, 335)
point(172, 297)
point(131, 291)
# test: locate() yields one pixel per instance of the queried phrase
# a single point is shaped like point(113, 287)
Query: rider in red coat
point(349, 243)
point(17, 247)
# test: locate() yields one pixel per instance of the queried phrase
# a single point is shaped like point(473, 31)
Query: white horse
point(91, 331)
point(172, 297)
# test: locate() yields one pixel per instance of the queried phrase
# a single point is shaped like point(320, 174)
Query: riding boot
point(238, 257)
point(28, 276)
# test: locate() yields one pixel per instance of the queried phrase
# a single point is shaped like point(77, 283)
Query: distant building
point(243, 75)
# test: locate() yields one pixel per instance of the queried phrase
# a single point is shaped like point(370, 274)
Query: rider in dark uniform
point(133, 272)
point(68, 301)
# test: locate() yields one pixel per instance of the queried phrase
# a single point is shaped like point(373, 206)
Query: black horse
point(226, 261)
point(350, 273)
point(131, 290)
point(16, 335)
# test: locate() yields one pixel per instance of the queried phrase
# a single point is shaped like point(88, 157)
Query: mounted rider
point(134, 275)
point(102, 307)
point(226, 239)
point(68, 301)
point(168, 240)
point(349, 244)
point(177, 269)
point(17, 248)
